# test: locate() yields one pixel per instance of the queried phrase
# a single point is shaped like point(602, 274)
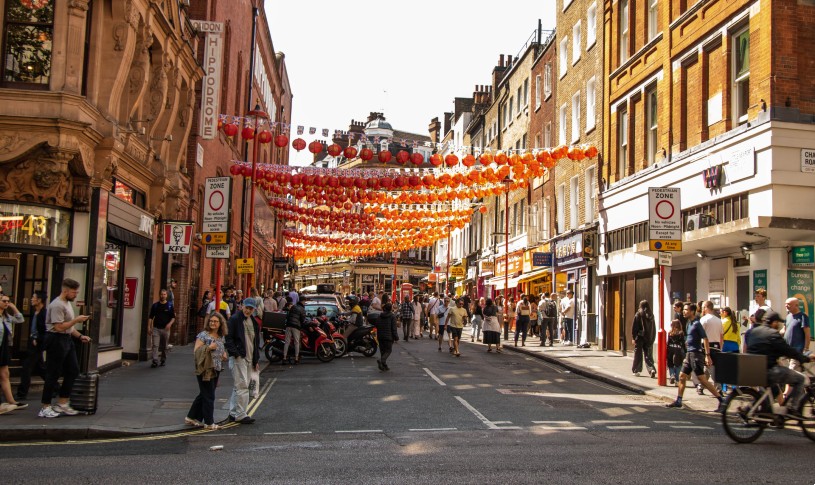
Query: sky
point(408, 60)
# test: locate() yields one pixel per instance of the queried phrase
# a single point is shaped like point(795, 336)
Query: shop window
point(113, 280)
point(741, 75)
point(128, 194)
point(28, 32)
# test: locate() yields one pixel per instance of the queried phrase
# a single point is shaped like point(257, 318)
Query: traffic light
point(589, 245)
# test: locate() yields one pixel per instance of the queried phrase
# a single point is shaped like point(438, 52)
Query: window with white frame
point(547, 135)
point(537, 141)
point(591, 182)
point(545, 222)
point(622, 142)
point(652, 122)
point(591, 103)
point(519, 95)
point(653, 19)
point(576, 117)
point(561, 136)
point(574, 201)
point(526, 92)
point(561, 208)
point(547, 80)
point(563, 58)
point(741, 75)
point(577, 41)
point(537, 91)
point(591, 26)
point(624, 30)
point(523, 142)
point(509, 110)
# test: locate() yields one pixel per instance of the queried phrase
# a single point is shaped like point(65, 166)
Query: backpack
point(551, 309)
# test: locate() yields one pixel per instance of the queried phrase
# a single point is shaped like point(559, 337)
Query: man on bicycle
point(766, 340)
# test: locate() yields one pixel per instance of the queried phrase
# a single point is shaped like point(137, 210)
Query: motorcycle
point(340, 344)
point(320, 345)
point(359, 338)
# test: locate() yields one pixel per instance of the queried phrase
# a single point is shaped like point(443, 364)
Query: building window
point(28, 32)
point(544, 228)
point(653, 18)
point(563, 59)
point(624, 30)
point(547, 135)
point(519, 94)
point(574, 201)
point(509, 110)
point(128, 194)
point(576, 117)
point(547, 80)
point(591, 26)
point(523, 142)
point(591, 182)
point(537, 141)
point(741, 75)
point(526, 92)
point(561, 208)
point(577, 41)
point(652, 122)
point(562, 128)
point(537, 91)
point(591, 102)
point(622, 140)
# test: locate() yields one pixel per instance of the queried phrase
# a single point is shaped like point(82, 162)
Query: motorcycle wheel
point(340, 347)
point(370, 347)
point(737, 426)
point(271, 355)
point(808, 412)
point(325, 353)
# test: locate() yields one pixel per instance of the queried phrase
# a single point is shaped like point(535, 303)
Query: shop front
point(573, 273)
point(507, 274)
point(537, 271)
point(485, 272)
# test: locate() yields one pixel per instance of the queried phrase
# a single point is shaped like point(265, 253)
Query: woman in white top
point(416, 321)
point(10, 316)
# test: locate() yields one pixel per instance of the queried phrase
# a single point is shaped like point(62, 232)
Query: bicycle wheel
point(808, 412)
point(737, 425)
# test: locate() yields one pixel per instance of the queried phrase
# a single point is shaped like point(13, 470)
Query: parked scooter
point(316, 344)
point(340, 344)
point(359, 338)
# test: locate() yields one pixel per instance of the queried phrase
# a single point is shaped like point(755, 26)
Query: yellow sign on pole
point(457, 271)
point(245, 266)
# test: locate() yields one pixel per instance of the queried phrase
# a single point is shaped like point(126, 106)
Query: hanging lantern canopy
point(315, 147)
point(485, 159)
point(299, 144)
point(468, 160)
point(350, 152)
point(501, 158)
point(230, 129)
point(591, 151)
point(436, 159)
point(235, 169)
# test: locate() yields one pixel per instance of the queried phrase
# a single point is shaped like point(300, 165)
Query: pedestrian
point(698, 354)
point(387, 334)
point(679, 316)
point(376, 302)
point(499, 304)
point(509, 317)
point(210, 354)
point(416, 321)
point(295, 321)
point(281, 300)
point(295, 298)
point(534, 320)
point(202, 310)
point(223, 307)
point(425, 317)
point(523, 311)
point(10, 316)
point(230, 299)
point(549, 313)
point(796, 329)
point(433, 305)
point(243, 346)
point(713, 328)
point(644, 332)
point(456, 317)
point(731, 336)
point(60, 351)
point(477, 320)
point(159, 322)
point(270, 303)
point(255, 295)
point(443, 308)
point(567, 312)
point(406, 314)
point(676, 349)
point(492, 328)
point(34, 360)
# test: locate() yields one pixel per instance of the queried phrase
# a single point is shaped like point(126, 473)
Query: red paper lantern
point(501, 158)
point(482, 209)
point(417, 158)
point(350, 152)
point(366, 154)
point(385, 156)
point(360, 182)
point(386, 182)
point(315, 147)
point(468, 160)
point(402, 157)
point(591, 151)
point(436, 159)
point(451, 160)
point(281, 140)
point(485, 159)
point(230, 129)
point(334, 149)
point(248, 133)
point(246, 170)
point(235, 169)
point(299, 144)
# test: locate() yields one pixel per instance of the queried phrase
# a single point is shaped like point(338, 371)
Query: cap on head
point(249, 303)
point(770, 317)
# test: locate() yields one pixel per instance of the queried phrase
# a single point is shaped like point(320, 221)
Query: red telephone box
point(407, 291)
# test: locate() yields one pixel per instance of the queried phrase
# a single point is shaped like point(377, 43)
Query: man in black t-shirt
point(159, 322)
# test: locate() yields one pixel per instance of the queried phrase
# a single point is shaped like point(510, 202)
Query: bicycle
point(750, 406)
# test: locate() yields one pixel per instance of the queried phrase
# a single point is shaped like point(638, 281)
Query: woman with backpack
point(676, 349)
point(523, 312)
point(644, 332)
point(477, 320)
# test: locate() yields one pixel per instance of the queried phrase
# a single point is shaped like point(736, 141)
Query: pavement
point(136, 399)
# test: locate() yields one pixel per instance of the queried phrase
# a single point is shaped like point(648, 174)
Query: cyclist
point(766, 340)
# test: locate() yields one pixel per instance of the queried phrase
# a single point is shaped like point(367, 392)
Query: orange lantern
point(468, 160)
point(482, 209)
point(385, 156)
point(451, 160)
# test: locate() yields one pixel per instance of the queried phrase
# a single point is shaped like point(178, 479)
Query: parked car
point(326, 297)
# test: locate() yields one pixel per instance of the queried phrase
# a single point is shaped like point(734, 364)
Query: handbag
point(202, 312)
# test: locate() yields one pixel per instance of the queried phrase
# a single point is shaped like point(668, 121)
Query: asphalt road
point(434, 418)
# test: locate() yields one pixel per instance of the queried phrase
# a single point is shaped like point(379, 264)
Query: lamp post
point(506, 182)
point(447, 276)
point(256, 115)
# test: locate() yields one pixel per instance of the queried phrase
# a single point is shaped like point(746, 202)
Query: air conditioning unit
point(694, 222)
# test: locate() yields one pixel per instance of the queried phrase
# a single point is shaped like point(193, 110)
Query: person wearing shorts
point(455, 324)
point(697, 356)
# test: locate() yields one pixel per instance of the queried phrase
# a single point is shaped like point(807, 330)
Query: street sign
point(665, 259)
point(664, 219)
point(215, 238)
point(217, 251)
point(457, 271)
point(177, 238)
point(542, 259)
point(245, 266)
point(217, 201)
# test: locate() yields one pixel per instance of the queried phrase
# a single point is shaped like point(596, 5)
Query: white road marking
point(502, 422)
point(563, 428)
point(610, 421)
point(552, 422)
point(691, 427)
point(672, 422)
point(508, 427)
point(441, 382)
point(432, 429)
point(477, 414)
point(358, 431)
point(288, 432)
point(559, 425)
point(628, 427)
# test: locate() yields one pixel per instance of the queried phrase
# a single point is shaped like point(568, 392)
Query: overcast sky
point(409, 60)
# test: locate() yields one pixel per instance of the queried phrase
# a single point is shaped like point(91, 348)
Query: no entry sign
point(664, 219)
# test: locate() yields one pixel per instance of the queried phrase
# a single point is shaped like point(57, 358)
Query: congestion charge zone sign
point(664, 219)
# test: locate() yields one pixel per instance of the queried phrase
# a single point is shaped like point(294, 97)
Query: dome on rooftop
point(378, 124)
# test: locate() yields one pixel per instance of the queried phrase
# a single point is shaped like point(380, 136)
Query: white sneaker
point(65, 409)
point(48, 413)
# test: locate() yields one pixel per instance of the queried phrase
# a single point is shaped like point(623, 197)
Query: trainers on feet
point(700, 390)
point(636, 374)
point(154, 365)
point(675, 404)
point(48, 413)
point(65, 409)
point(673, 381)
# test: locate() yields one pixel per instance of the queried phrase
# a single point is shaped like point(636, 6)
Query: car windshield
point(331, 310)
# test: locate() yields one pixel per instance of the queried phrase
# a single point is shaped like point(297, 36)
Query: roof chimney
point(434, 128)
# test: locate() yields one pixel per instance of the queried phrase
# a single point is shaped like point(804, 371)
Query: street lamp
point(506, 183)
point(256, 116)
point(447, 276)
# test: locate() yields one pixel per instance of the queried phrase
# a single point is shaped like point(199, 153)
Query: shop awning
point(533, 275)
point(498, 282)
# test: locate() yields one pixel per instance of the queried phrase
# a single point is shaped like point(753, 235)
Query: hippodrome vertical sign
point(213, 53)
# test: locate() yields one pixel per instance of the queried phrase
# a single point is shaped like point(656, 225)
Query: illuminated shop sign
point(31, 225)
